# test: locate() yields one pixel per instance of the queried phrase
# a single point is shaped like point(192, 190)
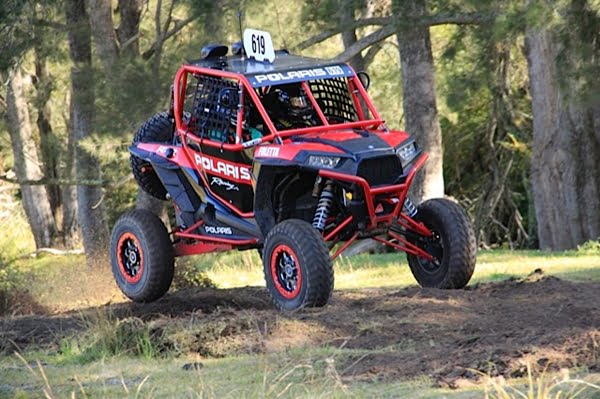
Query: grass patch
point(311, 373)
point(107, 336)
point(238, 269)
point(16, 240)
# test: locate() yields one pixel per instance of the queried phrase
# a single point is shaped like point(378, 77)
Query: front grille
point(380, 171)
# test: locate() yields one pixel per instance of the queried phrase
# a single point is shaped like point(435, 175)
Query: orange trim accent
point(130, 279)
point(285, 293)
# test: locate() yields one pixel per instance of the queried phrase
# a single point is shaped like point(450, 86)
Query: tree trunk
point(349, 36)
point(419, 103)
point(70, 226)
point(27, 164)
point(48, 140)
point(89, 199)
point(129, 27)
point(104, 34)
point(566, 151)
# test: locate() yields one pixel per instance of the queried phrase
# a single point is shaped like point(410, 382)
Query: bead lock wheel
point(286, 268)
point(130, 258)
point(142, 256)
point(297, 266)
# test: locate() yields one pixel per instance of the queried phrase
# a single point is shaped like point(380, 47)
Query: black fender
point(264, 214)
point(175, 181)
point(269, 184)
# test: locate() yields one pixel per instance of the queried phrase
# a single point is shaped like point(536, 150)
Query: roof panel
point(286, 68)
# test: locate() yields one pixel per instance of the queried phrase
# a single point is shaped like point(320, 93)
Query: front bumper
point(383, 203)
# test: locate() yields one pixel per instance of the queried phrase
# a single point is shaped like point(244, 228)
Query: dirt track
point(495, 328)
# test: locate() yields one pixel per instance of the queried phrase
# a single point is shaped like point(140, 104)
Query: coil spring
point(323, 208)
point(409, 208)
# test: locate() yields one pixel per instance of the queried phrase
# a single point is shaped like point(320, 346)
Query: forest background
point(504, 95)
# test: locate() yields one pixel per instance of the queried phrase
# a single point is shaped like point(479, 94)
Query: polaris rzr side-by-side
point(287, 156)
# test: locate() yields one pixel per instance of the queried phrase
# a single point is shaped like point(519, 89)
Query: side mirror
point(229, 98)
point(365, 79)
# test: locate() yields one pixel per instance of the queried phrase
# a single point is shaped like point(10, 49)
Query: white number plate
point(258, 45)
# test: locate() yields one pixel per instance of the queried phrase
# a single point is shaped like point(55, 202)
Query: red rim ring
point(286, 271)
point(130, 258)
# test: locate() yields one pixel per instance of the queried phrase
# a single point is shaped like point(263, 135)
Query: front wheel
point(298, 268)
point(452, 246)
point(142, 256)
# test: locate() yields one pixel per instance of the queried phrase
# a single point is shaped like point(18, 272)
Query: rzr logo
point(223, 183)
point(230, 171)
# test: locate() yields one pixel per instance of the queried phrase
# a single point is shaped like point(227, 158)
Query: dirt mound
point(495, 328)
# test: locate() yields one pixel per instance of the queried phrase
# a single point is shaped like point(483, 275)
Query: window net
point(334, 99)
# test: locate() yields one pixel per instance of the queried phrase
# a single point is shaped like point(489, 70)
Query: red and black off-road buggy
point(290, 158)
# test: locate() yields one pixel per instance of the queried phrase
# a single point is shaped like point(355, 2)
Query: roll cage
point(272, 134)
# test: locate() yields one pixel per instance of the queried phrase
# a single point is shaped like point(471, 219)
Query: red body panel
point(290, 149)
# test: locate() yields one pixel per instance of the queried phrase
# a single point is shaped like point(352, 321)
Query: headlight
point(318, 161)
point(407, 153)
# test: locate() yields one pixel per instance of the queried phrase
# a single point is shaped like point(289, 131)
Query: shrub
point(187, 275)
point(107, 336)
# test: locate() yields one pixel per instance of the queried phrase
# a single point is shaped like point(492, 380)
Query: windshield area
point(231, 113)
point(312, 103)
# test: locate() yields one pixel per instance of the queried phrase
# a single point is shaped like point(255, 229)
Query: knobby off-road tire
point(298, 268)
point(453, 246)
point(158, 129)
point(142, 256)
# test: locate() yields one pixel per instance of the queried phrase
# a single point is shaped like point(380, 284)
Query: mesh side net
point(334, 99)
point(209, 120)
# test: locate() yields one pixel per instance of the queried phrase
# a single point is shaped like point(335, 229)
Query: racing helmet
point(292, 104)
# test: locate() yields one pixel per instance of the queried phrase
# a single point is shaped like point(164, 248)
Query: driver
point(289, 107)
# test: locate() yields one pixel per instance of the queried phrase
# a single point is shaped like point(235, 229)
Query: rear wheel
point(298, 268)
point(158, 129)
point(142, 256)
point(452, 246)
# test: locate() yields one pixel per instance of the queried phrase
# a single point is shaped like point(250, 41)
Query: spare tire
point(158, 129)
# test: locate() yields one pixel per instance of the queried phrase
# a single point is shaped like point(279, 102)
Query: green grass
point(312, 373)
point(235, 269)
point(107, 361)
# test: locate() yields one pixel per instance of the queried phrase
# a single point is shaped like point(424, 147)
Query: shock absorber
point(323, 207)
point(409, 209)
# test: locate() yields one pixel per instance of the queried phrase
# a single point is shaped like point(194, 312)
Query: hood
point(345, 143)
point(354, 143)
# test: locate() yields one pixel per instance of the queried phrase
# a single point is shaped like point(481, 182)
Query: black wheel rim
point(434, 246)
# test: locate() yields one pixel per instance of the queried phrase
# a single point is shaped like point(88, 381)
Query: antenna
point(239, 14)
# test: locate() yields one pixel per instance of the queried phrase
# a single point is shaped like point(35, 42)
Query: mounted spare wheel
point(158, 129)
